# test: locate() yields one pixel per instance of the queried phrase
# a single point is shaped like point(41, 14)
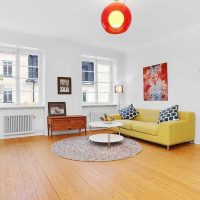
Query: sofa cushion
point(169, 114)
point(127, 124)
point(128, 112)
point(149, 128)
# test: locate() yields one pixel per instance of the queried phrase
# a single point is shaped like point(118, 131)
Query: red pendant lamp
point(116, 18)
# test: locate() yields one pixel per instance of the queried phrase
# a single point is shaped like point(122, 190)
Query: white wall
point(61, 59)
point(182, 53)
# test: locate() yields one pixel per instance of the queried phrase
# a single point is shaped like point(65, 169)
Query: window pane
point(84, 97)
point(87, 66)
point(5, 71)
point(88, 76)
point(103, 77)
point(5, 96)
point(32, 72)
point(28, 85)
point(104, 68)
point(24, 66)
point(89, 93)
point(90, 97)
point(29, 91)
point(103, 97)
point(28, 97)
point(8, 96)
point(103, 87)
point(88, 88)
point(9, 71)
point(32, 60)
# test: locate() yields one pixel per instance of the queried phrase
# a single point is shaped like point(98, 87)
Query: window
point(7, 68)
point(7, 96)
point(21, 70)
point(97, 81)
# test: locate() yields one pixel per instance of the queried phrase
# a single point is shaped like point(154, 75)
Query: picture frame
point(56, 109)
point(64, 85)
point(155, 82)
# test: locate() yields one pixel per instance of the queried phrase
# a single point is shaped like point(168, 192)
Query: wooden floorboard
point(29, 170)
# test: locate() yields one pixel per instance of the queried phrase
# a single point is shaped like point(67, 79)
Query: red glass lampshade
point(116, 18)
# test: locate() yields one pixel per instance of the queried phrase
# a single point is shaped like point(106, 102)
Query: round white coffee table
point(106, 138)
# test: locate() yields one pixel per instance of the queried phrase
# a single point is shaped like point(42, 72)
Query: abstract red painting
point(155, 82)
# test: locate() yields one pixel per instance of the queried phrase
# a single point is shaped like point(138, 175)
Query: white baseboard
point(197, 141)
point(22, 135)
point(64, 132)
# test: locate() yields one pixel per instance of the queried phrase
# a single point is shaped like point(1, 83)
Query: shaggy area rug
point(82, 149)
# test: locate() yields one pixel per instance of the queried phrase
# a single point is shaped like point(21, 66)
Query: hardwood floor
point(29, 170)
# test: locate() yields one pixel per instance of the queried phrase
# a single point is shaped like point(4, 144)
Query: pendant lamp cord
point(124, 2)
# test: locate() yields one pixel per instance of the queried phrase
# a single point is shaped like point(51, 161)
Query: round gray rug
point(82, 149)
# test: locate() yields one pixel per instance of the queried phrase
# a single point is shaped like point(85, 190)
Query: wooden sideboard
point(62, 123)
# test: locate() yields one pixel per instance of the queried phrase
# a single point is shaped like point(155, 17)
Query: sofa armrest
point(175, 132)
point(115, 116)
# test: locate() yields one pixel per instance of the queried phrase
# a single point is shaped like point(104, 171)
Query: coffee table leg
point(119, 130)
point(109, 138)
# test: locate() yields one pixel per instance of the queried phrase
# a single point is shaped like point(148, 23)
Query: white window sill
point(22, 107)
point(99, 105)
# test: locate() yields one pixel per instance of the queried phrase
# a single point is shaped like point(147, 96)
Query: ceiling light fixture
point(116, 18)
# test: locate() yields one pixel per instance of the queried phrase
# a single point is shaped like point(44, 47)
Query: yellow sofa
point(145, 126)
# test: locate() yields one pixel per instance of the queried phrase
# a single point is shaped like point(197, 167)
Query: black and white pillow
point(169, 114)
point(128, 112)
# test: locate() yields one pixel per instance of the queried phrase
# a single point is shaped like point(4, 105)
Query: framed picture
point(56, 109)
point(64, 85)
point(155, 82)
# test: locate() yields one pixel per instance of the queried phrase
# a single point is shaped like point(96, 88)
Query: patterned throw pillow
point(169, 114)
point(128, 112)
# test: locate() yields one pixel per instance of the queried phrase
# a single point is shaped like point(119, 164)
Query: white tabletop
point(103, 124)
point(105, 138)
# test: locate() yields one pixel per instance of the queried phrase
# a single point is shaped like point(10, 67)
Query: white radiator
point(18, 124)
point(95, 115)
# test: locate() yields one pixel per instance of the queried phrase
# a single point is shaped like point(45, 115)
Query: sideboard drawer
point(61, 121)
point(77, 121)
point(59, 127)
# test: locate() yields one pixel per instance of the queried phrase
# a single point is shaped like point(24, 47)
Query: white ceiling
point(79, 20)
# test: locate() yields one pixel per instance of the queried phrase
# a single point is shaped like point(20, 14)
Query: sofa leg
point(168, 147)
point(192, 141)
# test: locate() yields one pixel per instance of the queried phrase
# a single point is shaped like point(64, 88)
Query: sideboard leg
point(48, 127)
point(168, 147)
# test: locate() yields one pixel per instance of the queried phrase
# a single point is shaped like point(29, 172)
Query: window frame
point(97, 61)
point(24, 51)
